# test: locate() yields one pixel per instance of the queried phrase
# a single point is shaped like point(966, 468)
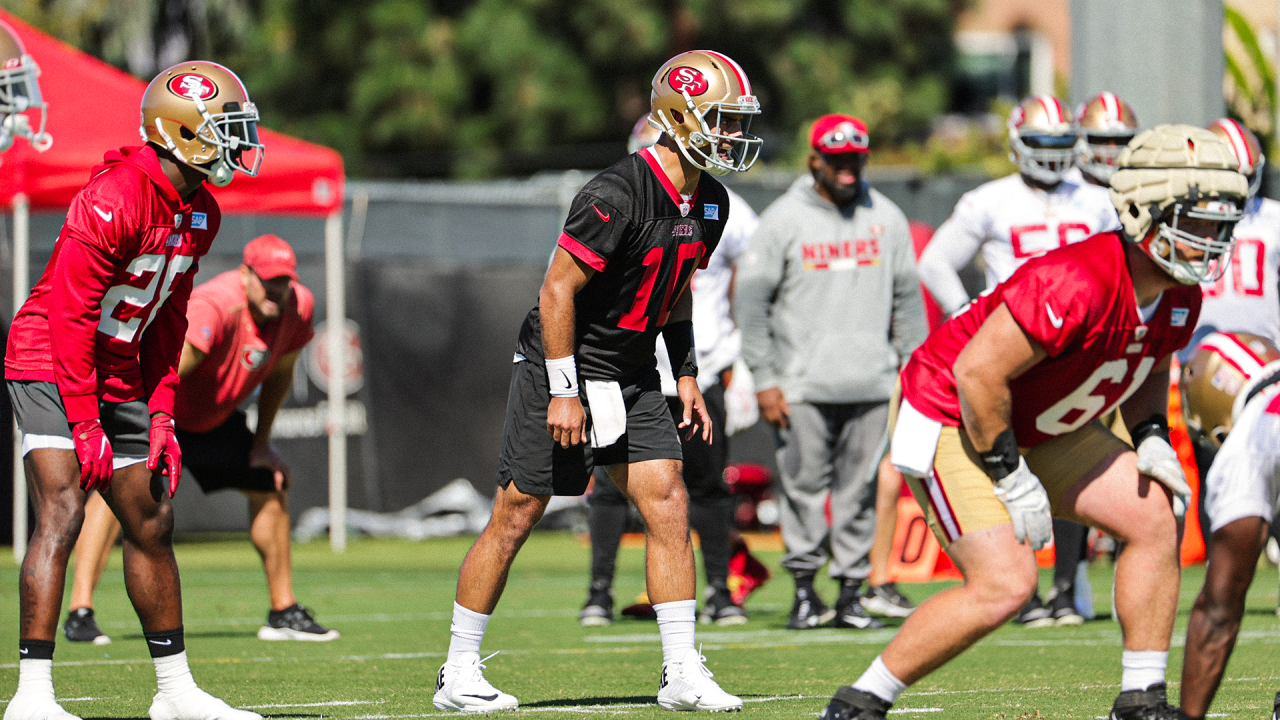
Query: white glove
point(1028, 505)
point(1157, 458)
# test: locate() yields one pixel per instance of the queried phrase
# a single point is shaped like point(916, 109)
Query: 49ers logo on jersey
point(193, 86)
point(253, 358)
point(687, 79)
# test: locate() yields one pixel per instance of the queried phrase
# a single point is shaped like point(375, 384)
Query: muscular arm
point(952, 247)
point(996, 355)
point(565, 278)
point(1215, 617)
point(274, 389)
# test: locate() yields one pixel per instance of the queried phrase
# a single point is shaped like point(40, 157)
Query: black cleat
point(1149, 704)
point(851, 704)
point(81, 627)
point(1035, 614)
point(888, 601)
point(849, 610)
point(598, 611)
point(809, 611)
point(1062, 607)
point(295, 623)
point(720, 609)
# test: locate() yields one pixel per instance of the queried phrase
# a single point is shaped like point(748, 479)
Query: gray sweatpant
point(831, 449)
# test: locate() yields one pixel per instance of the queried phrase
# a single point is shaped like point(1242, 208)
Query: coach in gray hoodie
point(829, 306)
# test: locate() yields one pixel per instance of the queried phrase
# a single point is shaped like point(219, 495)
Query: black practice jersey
point(644, 241)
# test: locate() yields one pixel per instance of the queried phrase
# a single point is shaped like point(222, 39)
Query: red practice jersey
point(107, 318)
point(238, 354)
point(1078, 304)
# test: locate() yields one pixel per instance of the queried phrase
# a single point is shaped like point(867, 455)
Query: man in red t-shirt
point(92, 364)
point(245, 329)
point(997, 423)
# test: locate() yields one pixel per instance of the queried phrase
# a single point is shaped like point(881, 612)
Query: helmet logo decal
point(193, 86)
point(12, 63)
point(687, 79)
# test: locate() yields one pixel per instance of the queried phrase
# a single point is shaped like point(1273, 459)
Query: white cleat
point(195, 704)
point(36, 706)
point(460, 685)
point(686, 684)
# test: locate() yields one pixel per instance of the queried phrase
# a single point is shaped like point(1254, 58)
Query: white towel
point(608, 412)
point(915, 442)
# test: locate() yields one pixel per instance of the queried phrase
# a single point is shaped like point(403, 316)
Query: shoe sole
point(447, 706)
point(273, 634)
point(674, 706)
point(594, 622)
point(732, 620)
point(884, 608)
point(1040, 623)
point(1069, 620)
point(102, 640)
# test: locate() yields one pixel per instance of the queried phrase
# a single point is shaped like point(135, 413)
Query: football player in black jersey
point(634, 236)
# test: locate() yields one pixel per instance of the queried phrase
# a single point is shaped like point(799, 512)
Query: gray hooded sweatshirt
point(828, 299)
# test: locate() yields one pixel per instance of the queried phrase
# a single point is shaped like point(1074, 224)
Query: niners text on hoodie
point(107, 319)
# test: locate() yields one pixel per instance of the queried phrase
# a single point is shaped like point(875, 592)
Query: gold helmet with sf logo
point(692, 94)
point(201, 112)
point(19, 93)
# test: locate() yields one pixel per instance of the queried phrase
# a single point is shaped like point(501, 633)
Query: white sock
point(35, 676)
point(676, 622)
point(173, 676)
point(878, 681)
point(1142, 668)
point(467, 631)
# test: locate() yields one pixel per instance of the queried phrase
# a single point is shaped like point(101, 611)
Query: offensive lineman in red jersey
point(92, 364)
point(997, 426)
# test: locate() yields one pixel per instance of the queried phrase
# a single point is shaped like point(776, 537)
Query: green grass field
point(392, 602)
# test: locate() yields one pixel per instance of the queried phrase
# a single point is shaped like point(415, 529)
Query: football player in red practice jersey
point(92, 364)
point(997, 430)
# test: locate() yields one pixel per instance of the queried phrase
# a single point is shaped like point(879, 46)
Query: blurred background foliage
point(475, 88)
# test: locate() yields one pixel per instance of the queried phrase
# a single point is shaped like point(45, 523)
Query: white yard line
point(331, 703)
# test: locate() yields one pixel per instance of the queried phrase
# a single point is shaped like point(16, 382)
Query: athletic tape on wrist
point(562, 376)
point(1002, 459)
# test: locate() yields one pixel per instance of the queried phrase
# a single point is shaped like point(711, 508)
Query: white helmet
point(1042, 138)
point(1175, 171)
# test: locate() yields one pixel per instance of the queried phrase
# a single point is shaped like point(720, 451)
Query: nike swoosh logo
point(1053, 319)
point(23, 651)
point(603, 216)
point(157, 642)
point(484, 697)
point(106, 216)
point(567, 382)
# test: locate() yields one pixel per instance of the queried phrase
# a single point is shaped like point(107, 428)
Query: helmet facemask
point(20, 92)
point(1162, 244)
point(700, 137)
point(1042, 156)
point(1098, 157)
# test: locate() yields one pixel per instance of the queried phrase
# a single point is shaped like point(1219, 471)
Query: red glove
point(165, 457)
point(94, 451)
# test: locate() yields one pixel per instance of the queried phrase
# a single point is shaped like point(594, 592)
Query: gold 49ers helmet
point(1107, 124)
point(692, 92)
point(1042, 138)
point(1245, 146)
point(200, 112)
point(1174, 171)
point(20, 92)
point(1218, 376)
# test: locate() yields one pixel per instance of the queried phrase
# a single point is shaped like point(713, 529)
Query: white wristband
point(562, 376)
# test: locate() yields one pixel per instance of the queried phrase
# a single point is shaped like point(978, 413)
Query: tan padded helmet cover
point(1169, 164)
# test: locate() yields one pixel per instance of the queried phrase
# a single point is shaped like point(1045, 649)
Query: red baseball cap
point(836, 134)
point(271, 257)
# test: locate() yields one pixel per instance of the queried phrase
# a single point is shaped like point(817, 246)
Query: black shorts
point(37, 406)
point(219, 459)
point(539, 466)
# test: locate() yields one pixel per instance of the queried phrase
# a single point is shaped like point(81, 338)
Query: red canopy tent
point(94, 108)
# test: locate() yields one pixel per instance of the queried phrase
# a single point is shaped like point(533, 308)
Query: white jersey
point(716, 338)
point(1244, 480)
point(1010, 222)
point(1245, 298)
